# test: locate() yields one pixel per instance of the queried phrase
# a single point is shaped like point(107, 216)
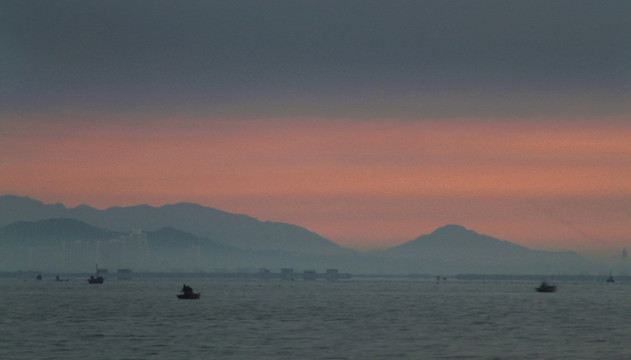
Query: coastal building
point(124, 274)
point(111, 252)
point(332, 274)
point(44, 258)
point(136, 249)
point(287, 274)
point(79, 255)
point(309, 275)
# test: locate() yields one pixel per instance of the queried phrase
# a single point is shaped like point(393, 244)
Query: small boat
point(189, 296)
point(545, 287)
point(187, 293)
point(610, 279)
point(98, 279)
point(39, 277)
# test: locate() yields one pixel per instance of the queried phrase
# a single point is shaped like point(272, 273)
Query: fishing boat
point(188, 294)
point(191, 296)
point(610, 278)
point(546, 288)
point(98, 279)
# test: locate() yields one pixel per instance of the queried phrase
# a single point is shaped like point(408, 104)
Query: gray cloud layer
point(318, 58)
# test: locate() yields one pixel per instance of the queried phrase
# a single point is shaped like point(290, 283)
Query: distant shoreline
point(26, 275)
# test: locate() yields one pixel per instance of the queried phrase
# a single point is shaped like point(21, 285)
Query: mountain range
point(189, 236)
point(237, 230)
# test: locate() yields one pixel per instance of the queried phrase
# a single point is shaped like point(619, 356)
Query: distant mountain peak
point(22, 201)
point(10, 197)
point(236, 230)
point(64, 228)
point(453, 230)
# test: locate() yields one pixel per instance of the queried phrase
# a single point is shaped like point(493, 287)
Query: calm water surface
point(356, 319)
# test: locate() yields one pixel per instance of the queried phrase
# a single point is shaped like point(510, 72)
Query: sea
point(347, 319)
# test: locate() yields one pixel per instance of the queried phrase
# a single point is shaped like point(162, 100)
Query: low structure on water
point(332, 274)
point(287, 274)
point(124, 274)
point(309, 275)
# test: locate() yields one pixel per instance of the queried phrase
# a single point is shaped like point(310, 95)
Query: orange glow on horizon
point(362, 184)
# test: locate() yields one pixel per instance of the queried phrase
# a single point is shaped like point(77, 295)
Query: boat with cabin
point(98, 279)
point(188, 294)
point(546, 288)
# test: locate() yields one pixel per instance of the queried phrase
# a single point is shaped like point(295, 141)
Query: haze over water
point(367, 122)
point(356, 319)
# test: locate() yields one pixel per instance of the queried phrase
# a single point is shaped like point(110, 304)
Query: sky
point(367, 122)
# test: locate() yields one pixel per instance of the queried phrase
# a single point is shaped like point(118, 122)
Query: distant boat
point(188, 294)
point(39, 277)
point(545, 287)
point(98, 279)
point(191, 296)
point(610, 279)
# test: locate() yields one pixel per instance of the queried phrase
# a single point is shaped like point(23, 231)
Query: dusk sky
point(367, 122)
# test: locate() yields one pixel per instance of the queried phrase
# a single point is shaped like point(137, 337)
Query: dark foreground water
point(356, 319)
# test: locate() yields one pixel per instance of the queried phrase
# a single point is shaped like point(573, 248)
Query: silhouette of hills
point(235, 230)
point(189, 236)
point(72, 244)
point(456, 241)
point(170, 238)
point(455, 247)
point(56, 230)
point(35, 233)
